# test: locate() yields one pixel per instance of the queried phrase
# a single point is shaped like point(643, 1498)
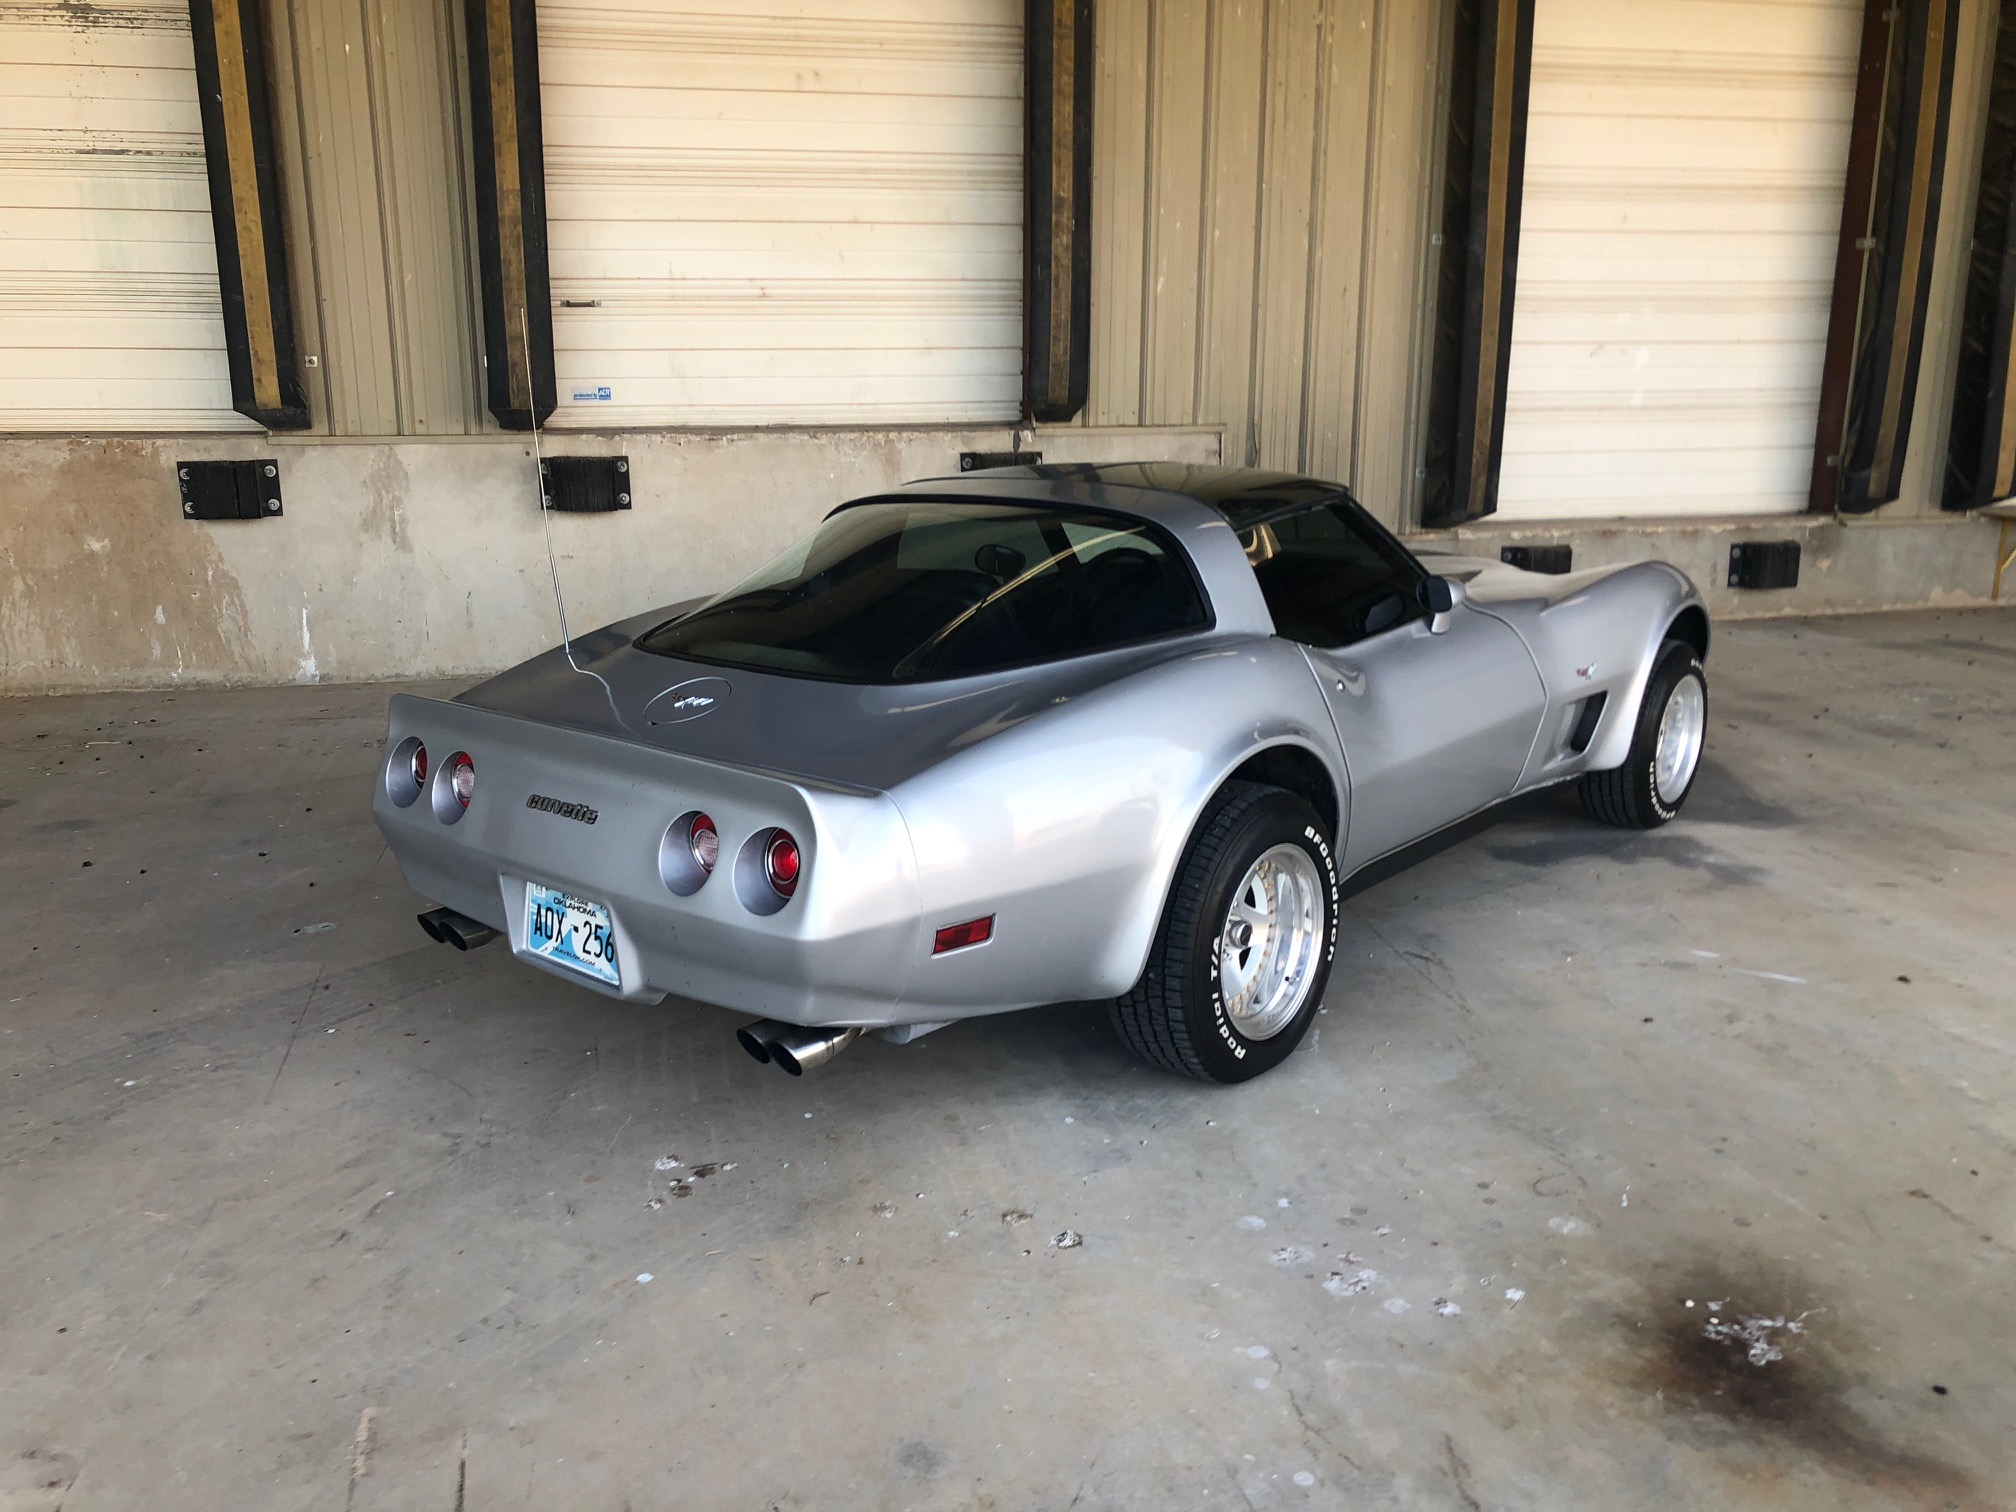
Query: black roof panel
point(1241, 494)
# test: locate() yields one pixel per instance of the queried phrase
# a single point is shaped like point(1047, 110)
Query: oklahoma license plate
point(572, 931)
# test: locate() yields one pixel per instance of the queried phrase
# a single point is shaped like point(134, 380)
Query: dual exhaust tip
point(794, 1048)
point(446, 927)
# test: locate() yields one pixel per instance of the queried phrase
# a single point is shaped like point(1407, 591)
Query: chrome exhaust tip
point(446, 927)
point(757, 1037)
point(793, 1048)
point(800, 1050)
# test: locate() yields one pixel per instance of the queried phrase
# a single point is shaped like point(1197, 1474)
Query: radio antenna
point(546, 526)
point(539, 484)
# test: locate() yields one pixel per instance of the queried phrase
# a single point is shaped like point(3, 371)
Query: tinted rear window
point(911, 592)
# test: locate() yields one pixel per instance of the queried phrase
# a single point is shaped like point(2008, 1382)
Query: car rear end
point(639, 872)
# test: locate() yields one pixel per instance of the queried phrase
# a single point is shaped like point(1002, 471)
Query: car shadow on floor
point(1549, 827)
point(1070, 1048)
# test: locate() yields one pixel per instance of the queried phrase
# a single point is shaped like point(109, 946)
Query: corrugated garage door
point(109, 311)
point(766, 219)
point(1685, 163)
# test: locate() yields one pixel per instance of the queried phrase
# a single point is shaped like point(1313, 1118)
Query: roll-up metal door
point(759, 218)
point(110, 316)
point(1685, 165)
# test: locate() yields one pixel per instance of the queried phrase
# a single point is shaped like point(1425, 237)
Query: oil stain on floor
point(1749, 1360)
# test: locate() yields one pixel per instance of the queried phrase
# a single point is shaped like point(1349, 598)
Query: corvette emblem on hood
point(687, 700)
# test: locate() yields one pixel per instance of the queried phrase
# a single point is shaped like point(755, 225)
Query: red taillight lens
point(959, 936)
point(705, 841)
point(782, 863)
point(419, 766)
point(462, 777)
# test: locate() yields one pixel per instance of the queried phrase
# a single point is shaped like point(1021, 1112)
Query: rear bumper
point(840, 952)
point(796, 981)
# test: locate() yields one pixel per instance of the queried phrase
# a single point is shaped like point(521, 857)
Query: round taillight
point(687, 852)
point(462, 777)
point(406, 772)
point(705, 841)
point(781, 863)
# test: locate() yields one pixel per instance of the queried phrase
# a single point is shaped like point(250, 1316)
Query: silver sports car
point(1034, 735)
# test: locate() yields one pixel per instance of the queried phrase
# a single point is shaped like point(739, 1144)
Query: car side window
point(1330, 579)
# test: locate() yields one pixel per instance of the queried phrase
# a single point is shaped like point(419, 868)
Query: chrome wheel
point(1677, 751)
point(1270, 942)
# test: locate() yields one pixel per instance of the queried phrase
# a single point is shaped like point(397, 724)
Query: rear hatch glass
point(921, 591)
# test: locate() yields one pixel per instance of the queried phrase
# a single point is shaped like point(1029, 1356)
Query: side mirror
point(1438, 597)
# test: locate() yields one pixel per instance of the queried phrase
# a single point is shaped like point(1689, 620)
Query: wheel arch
point(1299, 770)
point(1290, 760)
point(1690, 626)
point(1681, 616)
point(1157, 1017)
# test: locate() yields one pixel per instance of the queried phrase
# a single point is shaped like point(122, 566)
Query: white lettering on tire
point(1226, 1032)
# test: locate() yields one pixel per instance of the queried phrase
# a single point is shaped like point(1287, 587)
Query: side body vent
point(1584, 729)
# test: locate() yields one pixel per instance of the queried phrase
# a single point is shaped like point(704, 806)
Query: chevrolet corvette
point(1026, 736)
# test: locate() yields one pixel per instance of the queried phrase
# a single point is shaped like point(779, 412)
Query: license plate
point(572, 931)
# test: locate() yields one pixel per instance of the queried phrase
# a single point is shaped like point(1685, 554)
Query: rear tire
point(1643, 794)
point(1243, 951)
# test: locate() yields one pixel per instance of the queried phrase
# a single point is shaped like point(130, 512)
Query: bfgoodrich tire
point(1655, 779)
point(1243, 951)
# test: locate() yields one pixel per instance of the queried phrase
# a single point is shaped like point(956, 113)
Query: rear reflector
point(959, 936)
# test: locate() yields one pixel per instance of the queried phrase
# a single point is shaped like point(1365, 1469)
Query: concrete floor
point(300, 1210)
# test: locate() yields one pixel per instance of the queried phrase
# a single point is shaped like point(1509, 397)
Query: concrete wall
point(413, 558)
point(423, 558)
point(1845, 566)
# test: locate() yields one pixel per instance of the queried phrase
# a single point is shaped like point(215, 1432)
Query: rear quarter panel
point(1069, 828)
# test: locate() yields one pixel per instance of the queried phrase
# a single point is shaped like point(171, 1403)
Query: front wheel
point(1657, 776)
point(1243, 951)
